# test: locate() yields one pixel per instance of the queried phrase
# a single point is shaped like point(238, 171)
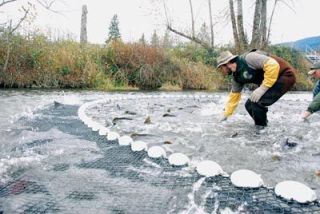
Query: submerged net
point(113, 179)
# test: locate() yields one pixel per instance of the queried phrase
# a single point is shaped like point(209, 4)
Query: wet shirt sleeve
point(233, 99)
point(315, 104)
point(269, 65)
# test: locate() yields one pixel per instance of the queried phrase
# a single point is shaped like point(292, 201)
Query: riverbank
point(38, 63)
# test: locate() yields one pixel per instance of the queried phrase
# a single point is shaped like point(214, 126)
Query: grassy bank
point(36, 62)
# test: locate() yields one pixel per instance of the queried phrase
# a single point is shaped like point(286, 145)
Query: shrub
point(199, 76)
point(149, 77)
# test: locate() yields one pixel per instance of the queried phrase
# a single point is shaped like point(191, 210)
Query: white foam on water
point(293, 190)
point(96, 127)
point(246, 178)
point(87, 120)
point(103, 131)
point(193, 207)
point(70, 100)
point(195, 129)
point(165, 126)
point(149, 162)
point(210, 109)
point(8, 163)
point(91, 123)
point(227, 210)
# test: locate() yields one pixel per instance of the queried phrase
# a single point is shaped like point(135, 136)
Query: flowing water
point(187, 122)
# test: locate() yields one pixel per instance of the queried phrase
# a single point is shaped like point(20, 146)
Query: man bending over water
point(272, 74)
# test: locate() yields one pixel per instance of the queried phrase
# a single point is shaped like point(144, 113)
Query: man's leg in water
point(258, 111)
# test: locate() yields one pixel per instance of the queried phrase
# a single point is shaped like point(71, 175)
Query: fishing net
point(110, 178)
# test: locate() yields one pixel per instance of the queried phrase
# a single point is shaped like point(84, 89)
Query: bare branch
point(273, 11)
point(271, 17)
point(191, 38)
point(26, 12)
point(48, 5)
point(166, 12)
point(6, 2)
point(287, 4)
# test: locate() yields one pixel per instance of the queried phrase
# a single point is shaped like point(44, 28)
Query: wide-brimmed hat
point(314, 68)
point(225, 57)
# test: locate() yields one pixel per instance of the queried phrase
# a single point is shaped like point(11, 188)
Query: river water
point(187, 122)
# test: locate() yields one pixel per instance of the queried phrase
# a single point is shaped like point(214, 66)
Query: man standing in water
point(272, 74)
point(315, 104)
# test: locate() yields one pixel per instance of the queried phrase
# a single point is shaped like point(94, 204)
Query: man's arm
point(233, 101)
point(315, 104)
point(271, 70)
point(269, 65)
point(234, 98)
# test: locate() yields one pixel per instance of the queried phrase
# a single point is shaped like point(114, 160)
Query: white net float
point(125, 140)
point(178, 159)
point(113, 136)
point(209, 168)
point(246, 178)
point(156, 152)
point(293, 190)
point(138, 146)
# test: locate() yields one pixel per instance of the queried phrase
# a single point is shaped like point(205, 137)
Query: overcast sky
point(143, 16)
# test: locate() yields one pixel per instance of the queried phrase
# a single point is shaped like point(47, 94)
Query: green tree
point(142, 40)
point(114, 32)
point(155, 39)
point(166, 40)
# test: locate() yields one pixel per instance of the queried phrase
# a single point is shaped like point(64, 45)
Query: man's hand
point(305, 115)
point(258, 93)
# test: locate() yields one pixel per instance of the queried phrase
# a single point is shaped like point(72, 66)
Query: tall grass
point(37, 62)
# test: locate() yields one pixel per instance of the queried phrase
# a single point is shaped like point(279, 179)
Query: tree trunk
point(234, 27)
point(83, 33)
point(263, 25)
point(255, 39)
point(211, 25)
point(242, 37)
point(192, 19)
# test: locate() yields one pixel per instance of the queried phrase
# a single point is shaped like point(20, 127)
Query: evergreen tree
point(114, 32)
point(204, 35)
point(166, 41)
point(155, 39)
point(142, 40)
